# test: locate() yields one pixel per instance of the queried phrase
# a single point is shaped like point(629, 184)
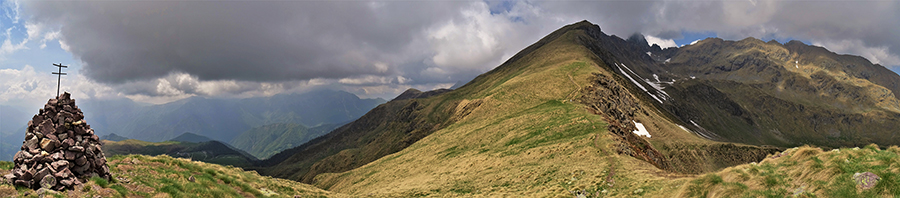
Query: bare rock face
point(60, 149)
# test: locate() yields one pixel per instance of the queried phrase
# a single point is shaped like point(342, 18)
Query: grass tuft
point(100, 181)
point(121, 189)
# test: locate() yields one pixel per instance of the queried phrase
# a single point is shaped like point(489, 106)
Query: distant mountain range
point(218, 119)
point(267, 140)
point(191, 137)
point(223, 119)
point(13, 122)
point(209, 151)
point(113, 137)
point(768, 93)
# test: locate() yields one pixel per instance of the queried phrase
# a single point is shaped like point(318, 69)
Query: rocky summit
point(60, 149)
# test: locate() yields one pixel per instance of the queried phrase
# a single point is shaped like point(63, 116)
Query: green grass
point(4, 165)
point(453, 151)
point(810, 172)
point(100, 181)
point(557, 127)
point(121, 189)
point(151, 176)
point(462, 187)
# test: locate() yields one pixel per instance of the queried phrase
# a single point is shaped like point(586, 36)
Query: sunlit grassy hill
point(806, 172)
point(164, 176)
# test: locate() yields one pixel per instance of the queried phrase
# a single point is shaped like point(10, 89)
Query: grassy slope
point(386, 129)
point(804, 172)
point(164, 176)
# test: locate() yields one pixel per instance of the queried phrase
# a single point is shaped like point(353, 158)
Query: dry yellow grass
point(805, 172)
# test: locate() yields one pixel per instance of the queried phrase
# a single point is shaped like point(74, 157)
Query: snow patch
point(635, 81)
point(650, 54)
point(658, 86)
point(684, 128)
point(700, 133)
point(655, 85)
point(694, 123)
point(640, 129)
point(668, 59)
point(695, 42)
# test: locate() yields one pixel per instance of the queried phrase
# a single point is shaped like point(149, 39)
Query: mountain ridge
point(495, 133)
point(409, 120)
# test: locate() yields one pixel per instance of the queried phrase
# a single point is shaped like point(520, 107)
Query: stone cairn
point(60, 150)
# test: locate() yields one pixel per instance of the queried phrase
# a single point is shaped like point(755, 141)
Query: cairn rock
point(60, 149)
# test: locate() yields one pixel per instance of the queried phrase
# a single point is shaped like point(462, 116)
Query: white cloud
point(374, 80)
point(389, 91)
point(26, 87)
point(694, 42)
point(29, 88)
point(32, 30)
point(663, 43)
point(877, 55)
point(64, 46)
point(165, 88)
point(11, 8)
point(381, 67)
point(181, 85)
point(403, 80)
point(470, 41)
point(8, 47)
point(49, 36)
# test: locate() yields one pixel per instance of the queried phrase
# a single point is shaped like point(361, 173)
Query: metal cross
point(59, 74)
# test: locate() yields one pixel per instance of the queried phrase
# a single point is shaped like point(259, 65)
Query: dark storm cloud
point(253, 41)
point(160, 48)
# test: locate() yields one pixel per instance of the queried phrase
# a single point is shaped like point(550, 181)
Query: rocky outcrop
point(608, 98)
point(695, 158)
point(60, 149)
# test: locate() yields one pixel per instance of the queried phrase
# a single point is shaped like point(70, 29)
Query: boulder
point(48, 182)
point(47, 144)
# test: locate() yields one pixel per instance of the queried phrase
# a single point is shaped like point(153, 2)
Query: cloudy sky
point(160, 51)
